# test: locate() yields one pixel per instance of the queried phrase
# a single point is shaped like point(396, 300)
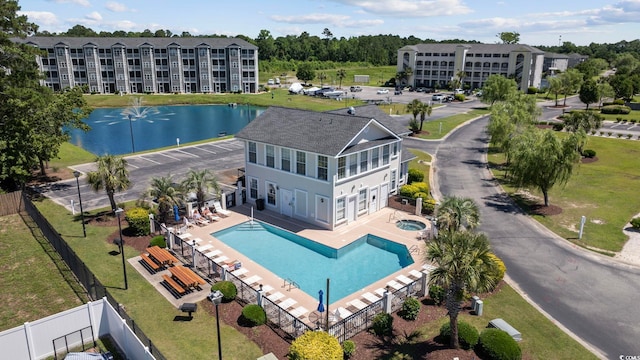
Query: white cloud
point(93, 16)
point(41, 17)
point(410, 8)
point(327, 19)
point(116, 6)
point(84, 3)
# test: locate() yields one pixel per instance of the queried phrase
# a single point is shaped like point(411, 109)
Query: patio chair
point(299, 312)
point(220, 209)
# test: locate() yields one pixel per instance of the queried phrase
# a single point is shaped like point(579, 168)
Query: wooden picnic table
point(161, 255)
point(186, 276)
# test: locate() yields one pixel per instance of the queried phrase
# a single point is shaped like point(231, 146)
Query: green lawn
point(603, 191)
point(437, 129)
point(194, 339)
point(34, 279)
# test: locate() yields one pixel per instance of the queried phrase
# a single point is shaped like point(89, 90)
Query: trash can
point(260, 204)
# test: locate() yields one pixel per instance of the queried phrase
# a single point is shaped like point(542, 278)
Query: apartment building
point(436, 65)
point(148, 65)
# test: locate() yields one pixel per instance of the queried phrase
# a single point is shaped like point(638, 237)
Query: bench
point(173, 284)
point(149, 263)
point(504, 326)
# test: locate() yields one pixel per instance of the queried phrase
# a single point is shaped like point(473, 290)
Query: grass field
point(437, 129)
point(603, 191)
point(377, 76)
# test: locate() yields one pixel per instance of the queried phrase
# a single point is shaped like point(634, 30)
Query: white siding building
point(327, 168)
point(148, 65)
point(435, 65)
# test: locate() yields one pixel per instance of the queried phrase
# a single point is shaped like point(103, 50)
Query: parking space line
point(153, 161)
point(203, 149)
point(187, 153)
point(133, 166)
point(170, 157)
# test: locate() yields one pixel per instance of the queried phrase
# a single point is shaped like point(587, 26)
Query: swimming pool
point(308, 263)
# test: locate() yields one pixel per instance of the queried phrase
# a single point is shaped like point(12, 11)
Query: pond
point(118, 131)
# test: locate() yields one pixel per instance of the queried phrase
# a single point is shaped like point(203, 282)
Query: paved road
point(591, 295)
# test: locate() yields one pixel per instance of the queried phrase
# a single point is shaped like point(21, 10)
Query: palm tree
point(166, 193)
point(341, 74)
point(463, 265)
point(414, 107)
point(112, 175)
point(425, 110)
point(460, 75)
point(201, 182)
point(457, 213)
point(322, 76)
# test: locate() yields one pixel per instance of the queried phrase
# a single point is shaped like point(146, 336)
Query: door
point(286, 201)
point(351, 208)
point(373, 201)
point(384, 195)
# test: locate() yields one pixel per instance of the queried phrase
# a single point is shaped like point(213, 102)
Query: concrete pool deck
point(381, 223)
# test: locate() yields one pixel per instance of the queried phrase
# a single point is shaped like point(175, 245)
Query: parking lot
point(370, 93)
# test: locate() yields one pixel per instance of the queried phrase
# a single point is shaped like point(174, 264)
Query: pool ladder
point(291, 284)
point(396, 216)
point(414, 249)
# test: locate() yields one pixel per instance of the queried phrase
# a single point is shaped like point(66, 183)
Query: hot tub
point(411, 225)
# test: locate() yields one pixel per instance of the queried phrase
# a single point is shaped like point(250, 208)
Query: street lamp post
point(216, 298)
point(120, 243)
point(133, 147)
point(77, 175)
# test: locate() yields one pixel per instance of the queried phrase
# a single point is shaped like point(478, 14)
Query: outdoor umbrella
point(176, 215)
point(320, 305)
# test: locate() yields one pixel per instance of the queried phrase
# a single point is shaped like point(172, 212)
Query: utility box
point(478, 307)
point(260, 204)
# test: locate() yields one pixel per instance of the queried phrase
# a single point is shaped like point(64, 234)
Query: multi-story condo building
point(555, 62)
point(326, 168)
point(436, 65)
point(148, 65)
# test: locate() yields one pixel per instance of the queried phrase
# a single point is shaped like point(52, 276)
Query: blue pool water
point(309, 263)
point(159, 126)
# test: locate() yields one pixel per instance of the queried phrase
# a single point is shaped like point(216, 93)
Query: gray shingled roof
point(134, 42)
point(320, 132)
point(483, 48)
point(374, 112)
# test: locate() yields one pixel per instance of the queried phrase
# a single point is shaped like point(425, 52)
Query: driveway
point(591, 295)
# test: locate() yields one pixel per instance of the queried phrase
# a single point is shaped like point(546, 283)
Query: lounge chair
point(342, 313)
point(380, 291)
point(371, 297)
point(357, 303)
point(240, 272)
point(299, 311)
point(394, 284)
point(252, 279)
point(213, 253)
point(416, 274)
point(220, 209)
point(220, 259)
point(275, 296)
point(286, 304)
point(403, 279)
point(204, 247)
point(266, 288)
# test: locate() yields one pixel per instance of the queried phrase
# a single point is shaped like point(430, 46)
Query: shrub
point(635, 222)
point(618, 102)
point(593, 132)
point(414, 125)
point(407, 190)
point(415, 190)
point(138, 219)
point(253, 315)
point(633, 121)
point(436, 293)
point(629, 136)
point(618, 119)
point(428, 205)
point(467, 334)
point(383, 324)
point(410, 309)
point(495, 344)
point(227, 288)
point(459, 97)
point(348, 348)
point(558, 127)
point(415, 175)
point(615, 109)
point(400, 356)
point(158, 241)
point(499, 270)
point(315, 345)
point(532, 90)
point(619, 135)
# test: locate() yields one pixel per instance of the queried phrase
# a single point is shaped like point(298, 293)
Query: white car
point(382, 91)
point(437, 97)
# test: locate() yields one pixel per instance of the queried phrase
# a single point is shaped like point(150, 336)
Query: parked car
point(271, 82)
point(355, 89)
point(420, 89)
point(437, 97)
point(397, 92)
point(382, 91)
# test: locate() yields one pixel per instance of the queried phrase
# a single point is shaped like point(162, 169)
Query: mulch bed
point(586, 160)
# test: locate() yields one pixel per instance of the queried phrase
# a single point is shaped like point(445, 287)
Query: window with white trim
point(342, 167)
point(375, 153)
point(395, 150)
point(253, 188)
point(323, 163)
point(362, 200)
point(364, 161)
point(385, 155)
point(301, 163)
point(393, 180)
point(271, 157)
point(353, 164)
point(253, 152)
point(340, 209)
point(285, 160)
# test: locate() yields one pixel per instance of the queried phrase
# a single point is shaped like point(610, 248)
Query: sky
point(539, 22)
